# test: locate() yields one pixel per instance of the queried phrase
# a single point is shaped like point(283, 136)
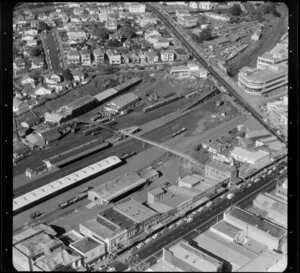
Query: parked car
point(230, 195)
point(155, 236)
point(36, 214)
point(148, 240)
point(140, 245)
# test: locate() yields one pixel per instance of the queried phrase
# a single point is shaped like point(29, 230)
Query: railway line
point(222, 81)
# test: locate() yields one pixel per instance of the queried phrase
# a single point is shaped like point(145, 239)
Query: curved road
point(213, 72)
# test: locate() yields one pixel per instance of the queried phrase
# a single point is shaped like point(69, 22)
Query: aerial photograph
point(150, 136)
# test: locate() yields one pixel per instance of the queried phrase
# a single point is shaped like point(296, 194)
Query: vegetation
point(205, 35)
point(67, 75)
point(235, 10)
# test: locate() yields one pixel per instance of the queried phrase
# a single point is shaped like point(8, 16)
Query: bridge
point(154, 143)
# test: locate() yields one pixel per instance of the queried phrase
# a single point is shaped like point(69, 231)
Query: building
point(76, 34)
point(220, 171)
point(251, 134)
point(121, 103)
point(281, 189)
point(111, 24)
point(256, 36)
point(278, 55)
point(50, 135)
point(98, 56)
point(90, 249)
point(81, 105)
point(188, 258)
point(26, 79)
point(148, 20)
point(181, 55)
point(73, 56)
point(246, 143)
point(161, 43)
point(37, 249)
point(137, 8)
point(257, 229)
point(278, 112)
point(116, 188)
point(187, 21)
point(190, 70)
point(85, 56)
point(51, 79)
point(114, 57)
point(255, 158)
point(272, 208)
point(258, 82)
point(215, 16)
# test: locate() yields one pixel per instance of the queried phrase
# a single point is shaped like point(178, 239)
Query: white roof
point(105, 94)
point(56, 185)
point(248, 155)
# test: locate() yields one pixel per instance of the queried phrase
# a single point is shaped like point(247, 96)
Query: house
point(42, 16)
point(114, 57)
point(30, 119)
point(256, 36)
point(85, 57)
point(84, 17)
point(41, 91)
point(111, 24)
point(143, 58)
point(148, 20)
point(27, 79)
point(152, 57)
point(51, 79)
point(78, 11)
point(27, 37)
point(161, 43)
point(73, 57)
point(137, 8)
point(78, 75)
point(31, 32)
point(19, 64)
point(180, 54)
point(134, 57)
point(98, 55)
point(94, 17)
point(75, 19)
point(125, 58)
point(103, 17)
point(17, 104)
point(50, 135)
point(171, 55)
point(37, 63)
point(31, 42)
point(76, 34)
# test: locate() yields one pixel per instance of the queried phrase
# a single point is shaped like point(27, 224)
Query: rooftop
point(255, 221)
point(226, 228)
point(85, 244)
point(80, 102)
point(157, 191)
point(192, 180)
point(124, 100)
point(221, 166)
point(194, 257)
point(235, 254)
point(134, 211)
point(249, 155)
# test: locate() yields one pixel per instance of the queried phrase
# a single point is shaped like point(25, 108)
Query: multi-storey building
point(73, 57)
point(220, 171)
point(114, 57)
point(85, 57)
point(187, 21)
point(99, 56)
point(137, 8)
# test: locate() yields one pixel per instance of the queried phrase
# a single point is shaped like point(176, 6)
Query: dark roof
point(85, 245)
point(117, 218)
point(253, 220)
point(51, 135)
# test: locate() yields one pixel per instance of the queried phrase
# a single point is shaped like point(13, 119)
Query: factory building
point(220, 171)
point(281, 189)
point(254, 158)
point(116, 188)
point(187, 258)
point(121, 103)
point(262, 231)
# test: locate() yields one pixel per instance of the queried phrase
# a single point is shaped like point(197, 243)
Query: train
point(46, 192)
point(159, 104)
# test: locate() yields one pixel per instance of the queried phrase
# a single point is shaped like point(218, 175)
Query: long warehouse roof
point(61, 183)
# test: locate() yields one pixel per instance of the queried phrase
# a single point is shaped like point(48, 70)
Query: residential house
point(171, 55)
point(27, 79)
point(98, 55)
point(150, 34)
point(42, 91)
point(76, 34)
point(78, 11)
point(148, 20)
point(161, 43)
point(37, 63)
point(152, 57)
point(111, 24)
point(137, 8)
point(78, 75)
point(167, 55)
point(75, 19)
point(42, 16)
point(143, 58)
point(19, 64)
point(134, 58)
point(73, 57)
point(34, 23)
point(114, 57)
point(180, 54)
point(51, 79)
point(85, 57)
point(17, 104)
point(26, 38)
point(30, 119)
point(31, 42)
point(31, 32)
point(50, 135)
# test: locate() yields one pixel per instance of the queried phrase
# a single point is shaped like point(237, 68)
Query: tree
point(114, 43)
point(67, 75)
point(44, 26)
point(36, 51)
point(128, 31)
point(101, 32)
point(249, 7)
point(235, 10)
point(269, 8)
point(202, 20)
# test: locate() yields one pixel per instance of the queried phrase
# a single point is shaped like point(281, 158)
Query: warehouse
point(220, 171)
point(81, 105)
point(255, 158)
point(115, 189)
point(262, 231)
point(121, 103)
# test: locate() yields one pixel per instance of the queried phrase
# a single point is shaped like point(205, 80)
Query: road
point(220, 79)
point(205, 219)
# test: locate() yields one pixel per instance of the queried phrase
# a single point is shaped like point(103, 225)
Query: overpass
point(222, 81)
point(153, 143)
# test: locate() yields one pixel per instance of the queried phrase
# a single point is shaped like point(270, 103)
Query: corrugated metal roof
point(105, 94)
point(56, 185)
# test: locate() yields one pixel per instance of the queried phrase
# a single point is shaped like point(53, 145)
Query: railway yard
point(125, 171)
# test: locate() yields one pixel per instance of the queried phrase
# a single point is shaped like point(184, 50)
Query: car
point(230, 195)
point(140, 245)
point(202, 208)
point(148, 240)
point(171, 226)
point(155, 236)
point(35, 215)
point(194, 212)
point(249, 185)
point(101, 267)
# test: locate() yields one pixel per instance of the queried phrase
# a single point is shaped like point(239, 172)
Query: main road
point(221, 80)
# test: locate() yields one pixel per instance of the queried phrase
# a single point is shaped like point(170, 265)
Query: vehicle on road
point(171, 226)
point(209, 204)
point(230, 195)
point(148, 240)
point(101, 267)
point(202, 208)
point(249, 185)
point(256, 180)
point(140, 245)
point(155, 236)
point(194, 213)
point(36, 214)
point(281, 171)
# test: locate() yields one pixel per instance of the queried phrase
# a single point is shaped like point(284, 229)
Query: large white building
point(254, 158)
point(137, 8)
point(257, 82)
